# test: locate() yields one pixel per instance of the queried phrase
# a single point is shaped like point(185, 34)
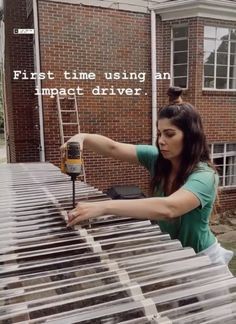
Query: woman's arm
point(163, 208)
point(106, 147)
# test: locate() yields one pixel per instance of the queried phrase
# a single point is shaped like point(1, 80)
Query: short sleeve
point(147, 156)
point(203, 184)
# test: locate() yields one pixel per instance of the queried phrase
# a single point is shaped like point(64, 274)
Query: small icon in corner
point(23, 31)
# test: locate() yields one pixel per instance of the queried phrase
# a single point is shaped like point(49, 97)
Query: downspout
point(154, 81)
point(37, 62)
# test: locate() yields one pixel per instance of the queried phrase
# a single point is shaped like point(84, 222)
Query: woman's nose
point(161, 140)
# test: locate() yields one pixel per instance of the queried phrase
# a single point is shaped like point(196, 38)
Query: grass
point(2, 140)
point(2, 144)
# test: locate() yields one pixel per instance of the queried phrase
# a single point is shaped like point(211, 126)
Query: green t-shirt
point(192, 228)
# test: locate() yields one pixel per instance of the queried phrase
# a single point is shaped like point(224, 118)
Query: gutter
point(38, 68)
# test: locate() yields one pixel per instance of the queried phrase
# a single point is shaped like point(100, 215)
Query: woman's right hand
point(79, 138)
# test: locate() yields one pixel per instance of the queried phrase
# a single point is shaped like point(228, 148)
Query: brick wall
point(227, 199)
point(98, 40)
point(22, 118)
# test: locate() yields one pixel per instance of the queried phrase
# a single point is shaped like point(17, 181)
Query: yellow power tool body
point(72, 163)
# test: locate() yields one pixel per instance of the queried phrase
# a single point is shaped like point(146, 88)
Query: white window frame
point(223, 155)
point(215, 63)
point(172, 54)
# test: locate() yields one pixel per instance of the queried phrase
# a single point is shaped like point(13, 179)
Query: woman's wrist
point(107, 207)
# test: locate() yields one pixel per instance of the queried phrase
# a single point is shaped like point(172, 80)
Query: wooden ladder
point(75, 121)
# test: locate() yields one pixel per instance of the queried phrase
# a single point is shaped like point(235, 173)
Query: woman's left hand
point(84, 211)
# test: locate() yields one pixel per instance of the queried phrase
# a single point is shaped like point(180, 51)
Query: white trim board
point(141, 6)
point(168, 10)
point(179, 9)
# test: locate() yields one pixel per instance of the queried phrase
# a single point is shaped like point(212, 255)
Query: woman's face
point(170, 139)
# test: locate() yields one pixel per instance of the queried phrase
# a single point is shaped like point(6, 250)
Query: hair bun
point(174, 91)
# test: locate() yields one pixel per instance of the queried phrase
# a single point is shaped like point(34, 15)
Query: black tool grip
point(73, 150)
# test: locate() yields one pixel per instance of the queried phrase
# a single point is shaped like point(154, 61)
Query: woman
point(184, 182)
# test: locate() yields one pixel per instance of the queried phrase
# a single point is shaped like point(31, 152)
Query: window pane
point(180, 82)
point(222, 46)
point(221, 83)
point(221, 71)
point(209, 70)
point(208, 83)
point(231, 160)
point(220, 181)
point(210, 32)
point(230, 169)
point(232, 83)
point(180, 70)
point(180, 58)
point(219, 165)
point(233, 48)
point(233, 34)
point(181, 45)
point(230, 180)
point(231, 147)
point(218, 148)
point(209, 45)
point(209, 57)
point(222, 59)
point(230, 165)
point(222, 33)
point(232, 59)
point(180, 32)
point(232, 71)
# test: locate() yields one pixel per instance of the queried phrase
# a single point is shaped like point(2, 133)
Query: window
point(180, 56)
point(219, 58)
point(224, 157)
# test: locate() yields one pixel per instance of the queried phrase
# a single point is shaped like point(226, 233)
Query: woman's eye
point(166, 134)
point(170, 134)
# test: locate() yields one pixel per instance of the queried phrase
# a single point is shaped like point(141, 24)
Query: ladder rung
point(69, 123)
point(68, 98)
point(68, 110)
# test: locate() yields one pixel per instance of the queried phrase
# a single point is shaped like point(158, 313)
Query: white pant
point(218, 254)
